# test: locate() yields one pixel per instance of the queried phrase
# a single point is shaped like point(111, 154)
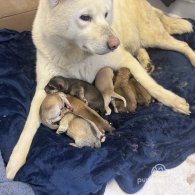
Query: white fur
point(68, 46)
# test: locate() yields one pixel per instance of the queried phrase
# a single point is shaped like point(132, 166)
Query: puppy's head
point(83, 23)
point(57, 84)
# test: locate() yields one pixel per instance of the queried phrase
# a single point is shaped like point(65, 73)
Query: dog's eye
point(106, 14)
point(86, 18)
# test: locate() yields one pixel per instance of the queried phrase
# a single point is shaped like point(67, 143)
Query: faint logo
point(159, 170)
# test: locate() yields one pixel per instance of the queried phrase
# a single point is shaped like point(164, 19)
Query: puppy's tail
point(116, 95)
point(174, 25)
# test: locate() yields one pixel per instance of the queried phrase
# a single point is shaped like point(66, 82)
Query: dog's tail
point(116, 95)
point(174, 25)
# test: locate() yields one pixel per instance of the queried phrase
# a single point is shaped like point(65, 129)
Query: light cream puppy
point(70, 35)
point(84, 132)
point(52, 109)
point(104, 83)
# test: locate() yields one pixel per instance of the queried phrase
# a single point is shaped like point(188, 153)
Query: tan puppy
point(104, 83)
point(122, 87)
point(81, 109)
point(84, 132)
point(128, 87)
point(51, 110)
point(142, 96)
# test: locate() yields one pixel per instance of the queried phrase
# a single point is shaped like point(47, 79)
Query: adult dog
point(74, 38)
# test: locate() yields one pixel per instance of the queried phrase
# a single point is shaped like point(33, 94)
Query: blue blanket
point(143, 139)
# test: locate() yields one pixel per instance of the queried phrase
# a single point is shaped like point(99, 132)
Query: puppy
point(125, 88)
point(142, 96)
point(81, 109)
point(84, 132)
point(104, 83)
point(78, 88)
point(51, 110)
point(128, 87)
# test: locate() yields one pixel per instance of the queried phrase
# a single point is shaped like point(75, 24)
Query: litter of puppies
point(77, 108)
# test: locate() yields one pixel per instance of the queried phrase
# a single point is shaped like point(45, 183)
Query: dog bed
point(152, 135)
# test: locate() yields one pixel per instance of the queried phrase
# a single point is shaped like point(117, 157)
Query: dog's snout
point(113, 42)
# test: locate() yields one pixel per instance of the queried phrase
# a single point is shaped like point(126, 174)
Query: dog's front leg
point(20, 151)
point(163, 95)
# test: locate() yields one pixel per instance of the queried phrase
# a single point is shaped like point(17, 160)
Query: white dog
point(74, 38)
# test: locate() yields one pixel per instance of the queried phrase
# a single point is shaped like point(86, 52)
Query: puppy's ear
point(53, 3)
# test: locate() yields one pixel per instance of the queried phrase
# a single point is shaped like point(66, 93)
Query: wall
point(182, 8)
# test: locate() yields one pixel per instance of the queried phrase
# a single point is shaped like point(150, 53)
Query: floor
point(177, 181)
point(180, 8)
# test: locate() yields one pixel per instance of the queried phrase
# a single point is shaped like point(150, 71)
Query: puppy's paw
point(60, 131)
point(108, 111)
point(74, 145)
point(85, 101)
point(150, 67)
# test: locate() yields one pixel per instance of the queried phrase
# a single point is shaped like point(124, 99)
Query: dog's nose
point(113, 43)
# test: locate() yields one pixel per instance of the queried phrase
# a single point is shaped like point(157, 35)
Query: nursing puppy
point(71, 37)
point(78, 88)
point(84, 132)
point(52, 109)
point(104, 83)
point(131, 90)
point(81, 109)
point(122, 87)
point(142, 96)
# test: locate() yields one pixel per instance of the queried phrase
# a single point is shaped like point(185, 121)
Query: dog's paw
point(15, 163)
point(192, 60)
point(178, 104)
point(181, 106)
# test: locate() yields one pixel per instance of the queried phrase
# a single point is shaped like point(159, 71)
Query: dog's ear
point(53, 3)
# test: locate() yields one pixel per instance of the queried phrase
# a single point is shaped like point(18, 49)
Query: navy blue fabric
point(152, 135)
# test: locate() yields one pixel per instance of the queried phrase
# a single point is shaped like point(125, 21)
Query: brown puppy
point(78, 88)
point(128, 87)
point(51, 110)
point(104, 83)
point(84, 132)
point(81, 109)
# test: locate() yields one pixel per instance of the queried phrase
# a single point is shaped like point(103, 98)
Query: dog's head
point(84, 23)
